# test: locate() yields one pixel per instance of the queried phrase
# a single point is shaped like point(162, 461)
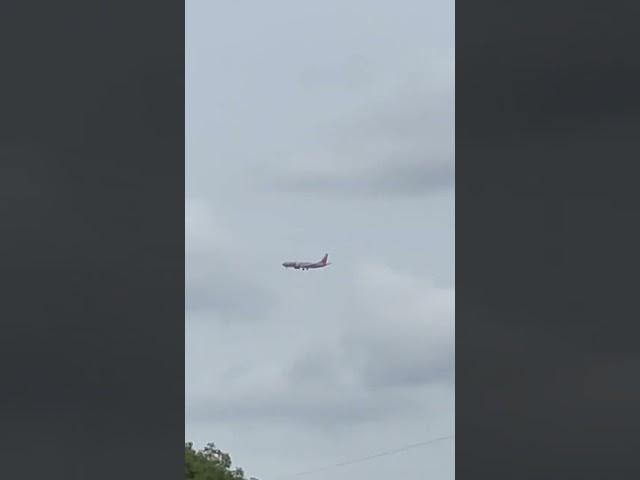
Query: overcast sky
point(312, 128)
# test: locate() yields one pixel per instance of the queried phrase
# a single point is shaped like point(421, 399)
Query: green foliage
point(210, 463)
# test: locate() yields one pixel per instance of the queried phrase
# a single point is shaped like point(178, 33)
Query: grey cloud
point(351, 368)
point(409, 363)
point(351, 73)
point(316, 401)
point(403, 147)
point(406, 338)
point(317, 408)
point(297, 123)
point(378, 359)
point(363, 366)
point(389, 179)
point(212, 281)
point(426, 117)
point(220, 289)
point(317, 365)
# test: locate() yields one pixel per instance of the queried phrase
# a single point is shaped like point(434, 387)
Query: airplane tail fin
point(324, 259)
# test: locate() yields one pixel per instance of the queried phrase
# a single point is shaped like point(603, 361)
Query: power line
point(367, 458)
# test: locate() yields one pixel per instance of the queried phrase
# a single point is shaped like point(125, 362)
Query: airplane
point(307, 265)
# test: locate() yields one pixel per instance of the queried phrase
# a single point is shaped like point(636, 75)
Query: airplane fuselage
point(307, 265)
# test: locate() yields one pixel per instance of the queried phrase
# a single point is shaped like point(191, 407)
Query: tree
point(210, 463)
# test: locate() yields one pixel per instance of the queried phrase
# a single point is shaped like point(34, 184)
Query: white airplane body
point(307, 265)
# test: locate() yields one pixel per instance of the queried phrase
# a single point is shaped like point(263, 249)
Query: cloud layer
point(316, 128)
point(304, 353)
point(400, 146)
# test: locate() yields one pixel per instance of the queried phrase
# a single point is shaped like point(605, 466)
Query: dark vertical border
point(548, 237)
point(92, 238)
